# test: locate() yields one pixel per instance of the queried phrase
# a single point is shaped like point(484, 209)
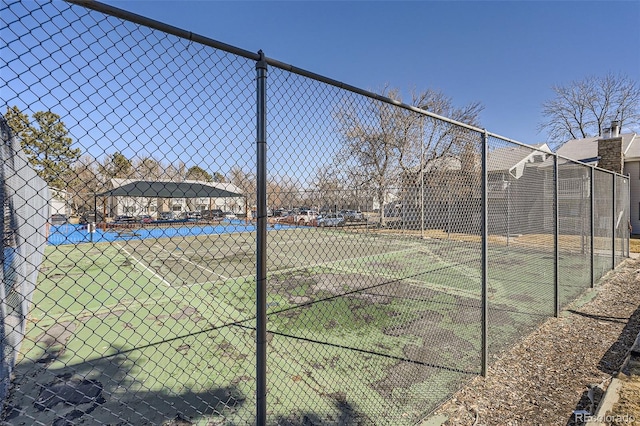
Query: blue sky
point(504, 54)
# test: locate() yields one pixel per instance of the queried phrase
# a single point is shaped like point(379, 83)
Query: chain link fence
point(357, 271)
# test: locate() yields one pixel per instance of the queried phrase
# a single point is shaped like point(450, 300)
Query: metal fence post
point(592, 230)
point(261, 243)
point(484, 257)
point(613, 225)
point(95, 217)
point(422, 177)
point(556, 257)
point(628, 203)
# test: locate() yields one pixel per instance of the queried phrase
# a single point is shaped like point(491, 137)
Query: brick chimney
point(610, 149)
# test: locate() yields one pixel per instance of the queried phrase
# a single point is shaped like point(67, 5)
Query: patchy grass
point(634, 244)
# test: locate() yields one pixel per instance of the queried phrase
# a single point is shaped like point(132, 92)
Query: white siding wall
point(633, 169)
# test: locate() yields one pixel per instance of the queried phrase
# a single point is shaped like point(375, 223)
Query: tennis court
point(359, 322)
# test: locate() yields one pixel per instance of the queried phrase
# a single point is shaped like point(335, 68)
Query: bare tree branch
point(584, 108)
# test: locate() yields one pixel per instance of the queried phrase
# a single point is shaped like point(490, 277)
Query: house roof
point(167, 189)
point(514, 158)
point(511, 158)
point(587, 149)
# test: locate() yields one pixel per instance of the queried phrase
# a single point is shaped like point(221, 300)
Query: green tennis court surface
point(365, 325)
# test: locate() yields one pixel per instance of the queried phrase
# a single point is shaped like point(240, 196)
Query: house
point(521, 188)
point(518, 183)
point(613, 151)
point(452, 191)
point(59, 202)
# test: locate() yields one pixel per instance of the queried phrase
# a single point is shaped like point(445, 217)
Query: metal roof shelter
point(168, 190)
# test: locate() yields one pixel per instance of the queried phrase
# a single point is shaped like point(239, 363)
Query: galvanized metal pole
point(628, 203)
point(593, 223)
point(422, 177)
point(556, 256)
point(485, 270)
point(613, 225)
point(508, 206)
point(261, 244)
point(95, 217)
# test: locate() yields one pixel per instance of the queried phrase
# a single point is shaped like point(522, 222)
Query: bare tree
point(382, 142)
point(585, 107)
point(148, 168)
point(83, 184)
point(246, 181)
point(282, 191)
point(328, 188)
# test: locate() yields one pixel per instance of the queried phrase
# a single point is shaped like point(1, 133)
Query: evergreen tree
point(116, 165)
point(198, 173)
point(46, 144)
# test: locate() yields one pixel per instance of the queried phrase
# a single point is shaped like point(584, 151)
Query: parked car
point(59, 219)
point(145, 218)
point(229, 215)
point(286, 217)
point(166, 216)
point(352, 215)
point(331, 219)
point(193, 215)
point(125, 219)
point(305, 217)
point(212, 214)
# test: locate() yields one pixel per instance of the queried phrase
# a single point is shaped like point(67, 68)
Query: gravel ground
point(553, 371)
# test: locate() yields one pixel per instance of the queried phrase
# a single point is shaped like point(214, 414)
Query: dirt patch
point(392, 266)
point(311, 283)
point(440, 349)
point(186, 312)
point(70, 398)
point(69, 391)
point(344, 283)
point(299, 299)
point(54, 340)
point(116, 312)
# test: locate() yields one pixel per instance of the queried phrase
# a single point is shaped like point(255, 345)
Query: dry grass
point(634, 244)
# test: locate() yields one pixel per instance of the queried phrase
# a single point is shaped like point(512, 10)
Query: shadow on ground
point(105, 391)
point(611, 362)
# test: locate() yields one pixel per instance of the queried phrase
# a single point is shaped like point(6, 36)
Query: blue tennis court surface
point(75, 234)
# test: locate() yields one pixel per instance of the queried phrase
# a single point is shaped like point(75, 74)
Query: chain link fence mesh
point(603, 223)
point(621, 214)
point(140, 326)
point(145, 306)
point(520, 240)
point(574, 229)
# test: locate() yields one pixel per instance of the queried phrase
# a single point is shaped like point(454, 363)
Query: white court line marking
point(143, 265)
point(329, 264)
point(181, 258)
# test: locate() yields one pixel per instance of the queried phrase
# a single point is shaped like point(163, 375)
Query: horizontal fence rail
point(197, 234)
